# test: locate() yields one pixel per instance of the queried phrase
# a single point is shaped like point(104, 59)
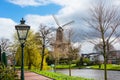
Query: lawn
point(65, 66)
point(109, 67)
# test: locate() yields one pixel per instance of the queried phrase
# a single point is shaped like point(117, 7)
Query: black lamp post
point(22, 32)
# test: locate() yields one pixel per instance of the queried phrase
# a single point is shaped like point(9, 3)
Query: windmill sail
point(56, 20)
point(68, 23)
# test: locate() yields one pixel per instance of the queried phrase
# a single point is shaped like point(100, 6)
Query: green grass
point(109, 67)
point(58, 76)
point(65, 66)
point(19, 67)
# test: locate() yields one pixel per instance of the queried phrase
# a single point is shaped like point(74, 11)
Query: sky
point(37, 12)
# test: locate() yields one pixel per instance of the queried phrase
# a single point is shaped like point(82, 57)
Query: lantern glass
point(22, 31)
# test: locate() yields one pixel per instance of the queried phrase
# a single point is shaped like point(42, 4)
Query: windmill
point(60, 46)
point(59, 31)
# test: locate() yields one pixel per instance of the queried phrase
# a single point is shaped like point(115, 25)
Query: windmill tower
point(59, 34)
point(60, 45)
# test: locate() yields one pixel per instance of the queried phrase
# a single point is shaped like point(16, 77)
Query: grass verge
point(58, 76)
point(109, 67)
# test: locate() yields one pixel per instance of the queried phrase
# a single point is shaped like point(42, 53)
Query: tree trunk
point(29, 65)
point(55, 64)
point(43, 51)
point(105, 68)
point(69, 68)
point(105, 61)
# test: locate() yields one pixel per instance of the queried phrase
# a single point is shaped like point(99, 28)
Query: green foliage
point(86, 60)
point(32, 52)
point(50, 60)
point(59, 76)
point(79, 62)
point(7, 74)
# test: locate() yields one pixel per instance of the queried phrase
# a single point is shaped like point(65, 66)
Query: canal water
point(91, 73)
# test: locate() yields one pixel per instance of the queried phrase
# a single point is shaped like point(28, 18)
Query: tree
point(73, 53)
point(5, 43)
point(31, 50)
point(86, 61)
point(33, 56)
point(104, 21)
point(50, 59)
point(44, 34)
point(98, 48)
point(4, 47)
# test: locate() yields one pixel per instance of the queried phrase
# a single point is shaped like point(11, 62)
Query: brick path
point(33, 76)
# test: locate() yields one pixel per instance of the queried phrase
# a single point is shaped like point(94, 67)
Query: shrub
point(86, 60)
point(6, 73)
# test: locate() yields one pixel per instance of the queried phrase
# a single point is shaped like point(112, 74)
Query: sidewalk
point(33, 76)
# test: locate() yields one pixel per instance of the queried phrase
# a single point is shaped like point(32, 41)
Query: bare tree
point(5, 43)
point(73, 53)
point(104, 21)
point(44, 34)
point(98, 48)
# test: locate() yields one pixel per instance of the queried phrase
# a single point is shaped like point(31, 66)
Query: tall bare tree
point(44, 34)
point(73, 52)
point(104, 21)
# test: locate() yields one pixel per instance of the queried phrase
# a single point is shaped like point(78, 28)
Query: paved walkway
point(33, 76)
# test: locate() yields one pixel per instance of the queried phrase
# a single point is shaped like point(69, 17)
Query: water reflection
point(94, 74)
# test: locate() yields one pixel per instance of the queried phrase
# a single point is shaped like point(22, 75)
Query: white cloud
point(72, 6)
point(117, 2)
point(7, 28)
point(24, 3)
point(42, 2)
point(71, 10)
point(86, 47)
point(35, 20)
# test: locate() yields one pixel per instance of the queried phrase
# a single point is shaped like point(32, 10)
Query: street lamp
point(22, 32)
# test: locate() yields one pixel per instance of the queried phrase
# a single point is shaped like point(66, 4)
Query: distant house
point(94, 57)
point(112, 58)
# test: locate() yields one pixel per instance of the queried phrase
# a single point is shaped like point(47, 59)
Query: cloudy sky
point(36, 12)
